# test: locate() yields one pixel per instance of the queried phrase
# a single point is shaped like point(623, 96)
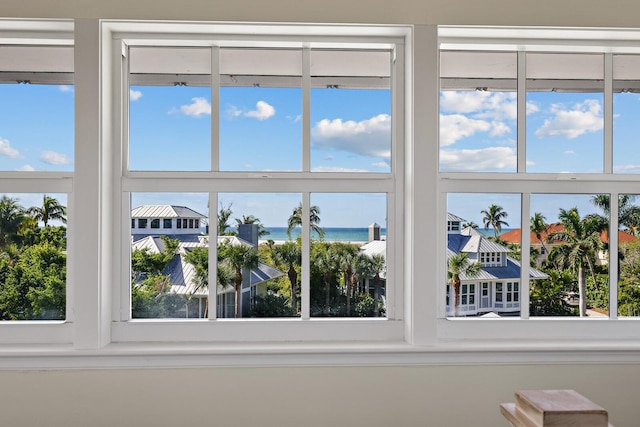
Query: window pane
point(626, 106)
point(629, 255)
point(260, 110)
point(33, 256)
point(483, 243)
point(565, 113)
point(170, 109)
point(572, 230)
point(259, 257)
point(350, 111)
point(165, 281)
point(478, 109)
point(348, 258)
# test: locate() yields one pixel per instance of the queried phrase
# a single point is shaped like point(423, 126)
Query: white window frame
point(541, 330)
point(124, 182)
point(37, 33)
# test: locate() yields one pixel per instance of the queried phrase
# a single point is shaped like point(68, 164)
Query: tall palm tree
point(538, 226)
point(362, 269)
point(223, 220)
point(290, 254)
point(295, 220)
point(12, 216)
point(580, 240)
point(325, 259)
point(378, 265)
point(460, 265)
point(239, 257)
point(628, 214)
point(494, 217)
point(51, 209)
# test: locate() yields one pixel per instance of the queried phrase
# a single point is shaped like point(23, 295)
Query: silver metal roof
point(510, 272)
point(452, 217)
point(473, 244)
point(165, 211)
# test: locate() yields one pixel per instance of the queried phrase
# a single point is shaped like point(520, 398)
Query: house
point(544, 247)
point(150, 222)
point(497, 287)
point(375, 246)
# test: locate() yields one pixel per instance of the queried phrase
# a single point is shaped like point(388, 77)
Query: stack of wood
point(554, 408)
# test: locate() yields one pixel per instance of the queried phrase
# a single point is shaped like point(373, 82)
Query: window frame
point(215, 36)
point(540, 330)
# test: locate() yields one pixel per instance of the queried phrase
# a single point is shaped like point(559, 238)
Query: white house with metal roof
point(183, 224)
point(497, 287)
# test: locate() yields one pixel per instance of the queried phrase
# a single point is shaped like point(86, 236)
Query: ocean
point(331, 234)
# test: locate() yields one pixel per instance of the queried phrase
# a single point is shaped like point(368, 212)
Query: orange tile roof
point(513, 236)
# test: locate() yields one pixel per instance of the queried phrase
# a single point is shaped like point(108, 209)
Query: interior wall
point(426, 396)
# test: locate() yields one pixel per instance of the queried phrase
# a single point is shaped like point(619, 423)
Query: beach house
point(496, 288)
point(150, 222)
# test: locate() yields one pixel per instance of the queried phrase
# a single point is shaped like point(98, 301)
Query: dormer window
point(453, 226)
point(155, 223)
point(142, 223)
point(491, 259)
point(167, 223)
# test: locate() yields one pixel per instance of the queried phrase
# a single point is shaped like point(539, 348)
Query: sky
point(261, 130)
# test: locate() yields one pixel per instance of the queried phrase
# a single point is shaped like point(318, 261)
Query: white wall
point(427, 396)
point(438, 396)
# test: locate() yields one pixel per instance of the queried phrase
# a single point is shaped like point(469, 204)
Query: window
point(301, 151)
point(167, 223)
point(142, 223)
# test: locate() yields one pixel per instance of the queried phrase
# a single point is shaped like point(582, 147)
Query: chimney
point(249, 233)
point(374, 232)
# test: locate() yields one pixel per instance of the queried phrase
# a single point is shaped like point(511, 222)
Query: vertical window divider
point(613, 255)
point(306, 259)
point(608, 114)
point(212, 289)
point(525, 256)
point(306, 109)
point(122, 293)
point(522, 113)
point(215, 110)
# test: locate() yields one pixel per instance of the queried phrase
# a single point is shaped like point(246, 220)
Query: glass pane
point(165, 281)
point(33, 256)
point(45, 147)
point(629, 255)
point(170, 109)
point(259, 257)
point(626, 112)
point(570, 245)
point(260, 110)
point(483, 246)
point(565, 113)
point(348, 260)
point(478, 109)
point(350, 111)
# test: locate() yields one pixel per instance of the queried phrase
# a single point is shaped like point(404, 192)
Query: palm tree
point(11, 217)
point(51, 209)
point(378, 265)
point(346, 254)
point(460, 265)
point(290, 254)
point(538, 226)
point(239, 257)
point(223, 220)
point(470, 224)
point(295, 220)
point(628, 214)
point(580, 240)
point(494, 216)
point(362, 269)
point(326, 261)
point(250, 219)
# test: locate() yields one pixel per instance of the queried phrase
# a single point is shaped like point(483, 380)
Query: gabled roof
point(165, 211)
point(452, 217)
point(473, 244)
point(511, 271)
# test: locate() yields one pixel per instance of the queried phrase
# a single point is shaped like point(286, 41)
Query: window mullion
point(608, 113)
point(213, 258)
point(525, 255)
point(522, 112)
point(215, 109)
point(306, 259)
point(614, 259)
point(306, 109)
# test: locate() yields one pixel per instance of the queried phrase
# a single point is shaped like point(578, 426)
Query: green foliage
point(598, 293)
point(272, 305)
point(546, 295)
point(151, 299)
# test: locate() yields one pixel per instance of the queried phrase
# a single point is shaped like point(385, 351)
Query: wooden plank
point(558, 408)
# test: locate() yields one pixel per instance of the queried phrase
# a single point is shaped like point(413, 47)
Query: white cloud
point(335, 169)
point(26, 168)
point(584, 117)
point(626, 168)
point(489, 105)
point(499, 129)
point(7, 150)
point(370, 137)
point(233, 112)
point(569, 152)
point(262, 112)
point(134, 95)
point(454, 127)
point(197, 108)
point(65, 88)
point(485, 159)
point(383, 165)
point(53, 158)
